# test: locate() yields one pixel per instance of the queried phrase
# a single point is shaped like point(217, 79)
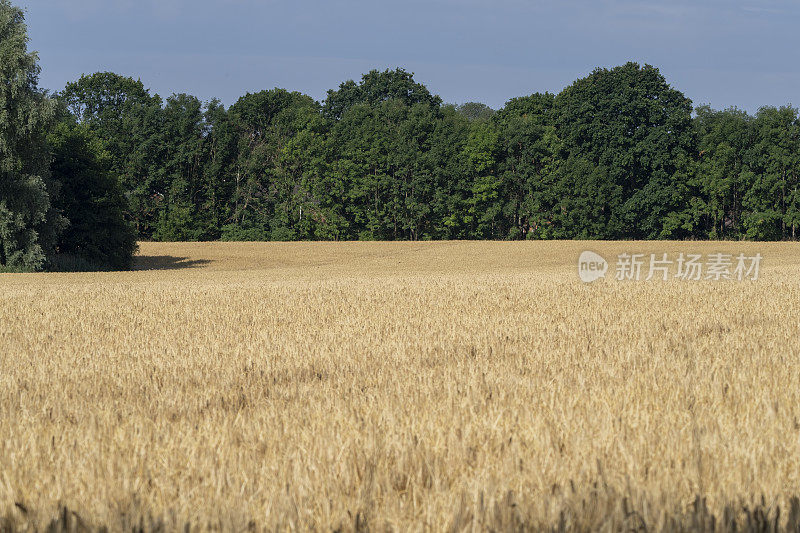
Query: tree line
point(619, 154)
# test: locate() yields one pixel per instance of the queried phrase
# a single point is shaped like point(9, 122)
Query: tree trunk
point(783, 205)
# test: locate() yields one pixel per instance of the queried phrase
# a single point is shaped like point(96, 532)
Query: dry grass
point(408, 386)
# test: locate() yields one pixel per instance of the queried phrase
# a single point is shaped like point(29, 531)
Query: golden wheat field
point(399, 386)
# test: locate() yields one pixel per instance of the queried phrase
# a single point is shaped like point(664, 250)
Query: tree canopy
point(27, 222)
point(61, 203)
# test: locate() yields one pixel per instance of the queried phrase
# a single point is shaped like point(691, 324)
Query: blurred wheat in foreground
point(408, 386)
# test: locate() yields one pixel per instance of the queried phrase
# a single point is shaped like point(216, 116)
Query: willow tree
point(27, 224)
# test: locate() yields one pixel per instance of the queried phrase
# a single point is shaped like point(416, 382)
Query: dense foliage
point(616, 155)
point(619, 154)
point(27, 221)
point(61, 203)
point(92, 200)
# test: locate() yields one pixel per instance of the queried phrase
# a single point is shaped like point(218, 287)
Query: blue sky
point(722, 53)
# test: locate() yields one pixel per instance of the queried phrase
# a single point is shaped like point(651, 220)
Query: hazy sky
point(717, 52)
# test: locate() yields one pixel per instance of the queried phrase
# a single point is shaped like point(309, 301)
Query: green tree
point(381, 155)
point(635, 126)
point(485, 204)
point(724, 137)
point(585, 202)
point(270, 195)
point(376, 87)
point(527, 161)
point(475, 111)
point(218, 182)
point(183, 215)
point(90, 196)
point(28, 225)
point(450, 171)
point(121, 111)
point(772, 201)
